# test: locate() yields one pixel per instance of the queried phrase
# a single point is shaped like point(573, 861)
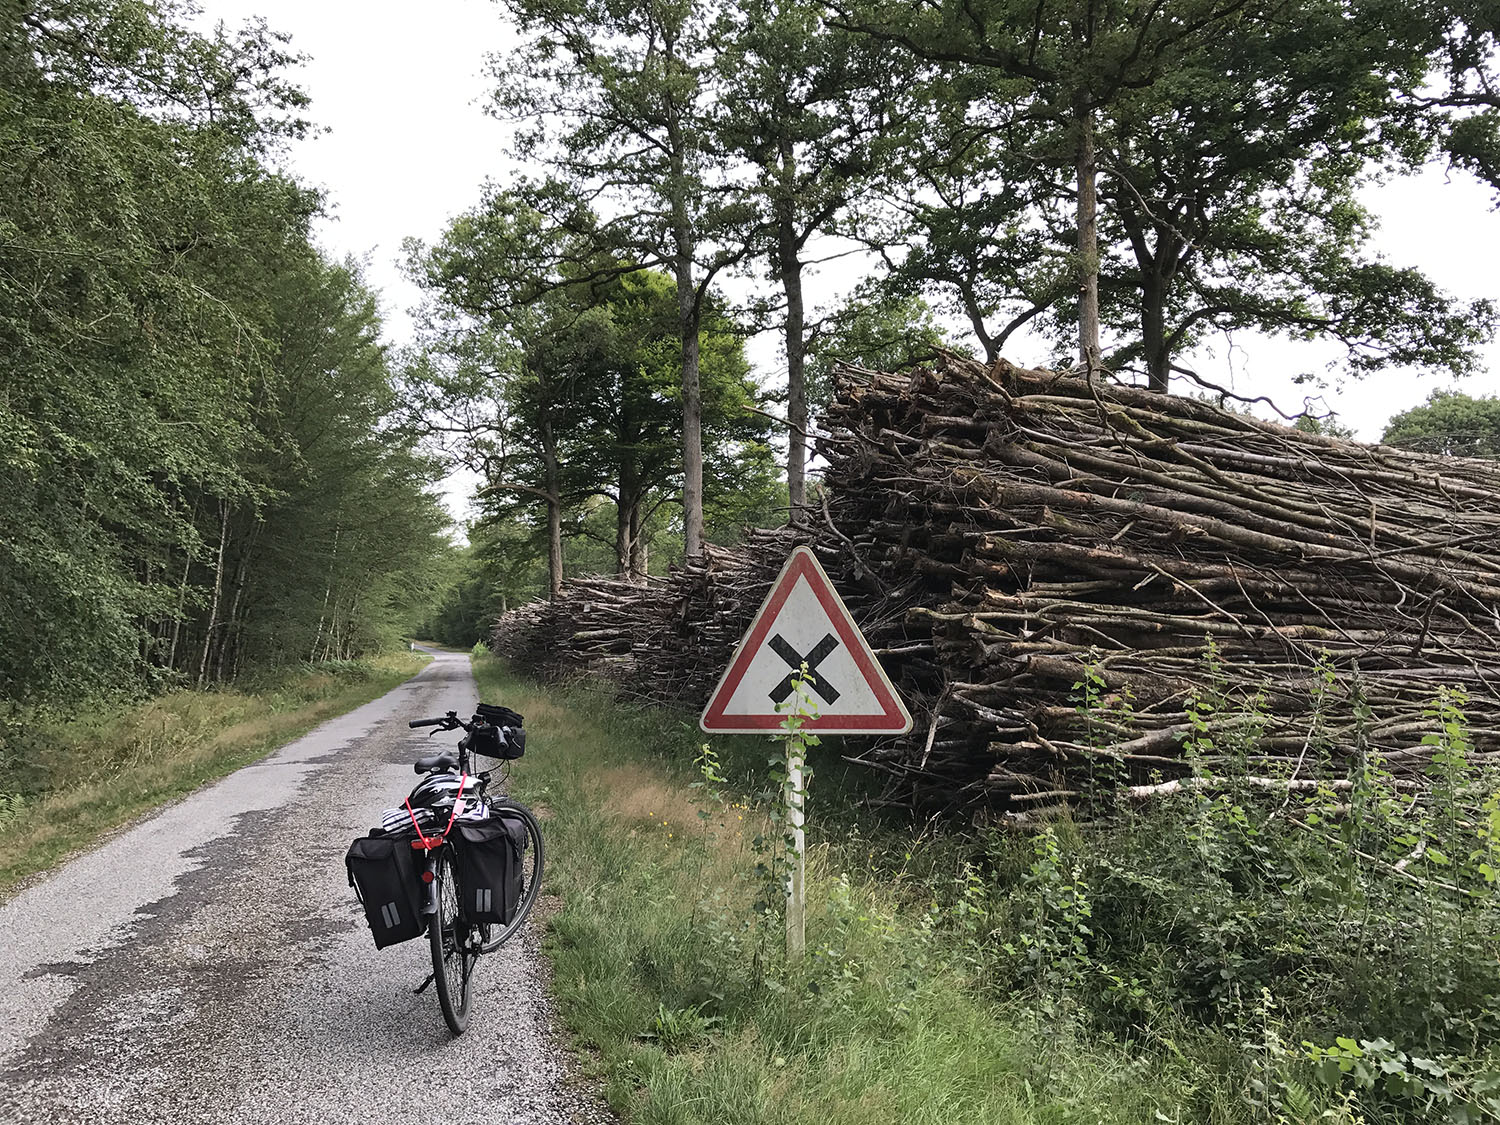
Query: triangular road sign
point(803, 619)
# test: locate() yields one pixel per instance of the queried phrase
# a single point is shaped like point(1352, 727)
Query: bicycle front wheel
point(531, 871)
point(453, 948)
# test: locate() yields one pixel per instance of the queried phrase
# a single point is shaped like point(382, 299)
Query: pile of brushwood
point(1068, 577)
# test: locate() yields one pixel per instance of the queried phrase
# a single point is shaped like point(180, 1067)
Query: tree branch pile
point(663, 642)
point(592, 628)
point(1050, 518)
point(998, 531)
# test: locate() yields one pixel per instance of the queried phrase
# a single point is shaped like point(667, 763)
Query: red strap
point(462, 781)
point(431, 842)
point(420, 834)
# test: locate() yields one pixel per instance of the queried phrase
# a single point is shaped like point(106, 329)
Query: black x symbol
point(795, 660)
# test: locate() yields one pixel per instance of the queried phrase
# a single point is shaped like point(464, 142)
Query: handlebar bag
point(503, 735)
point(491, 856)
point(384, 877)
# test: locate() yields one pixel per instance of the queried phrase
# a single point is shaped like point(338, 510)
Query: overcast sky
point(399, 89)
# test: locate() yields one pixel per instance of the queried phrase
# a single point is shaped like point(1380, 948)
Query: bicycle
point(449, 789)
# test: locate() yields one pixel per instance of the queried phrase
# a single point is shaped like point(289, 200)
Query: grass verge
point(66, 783)
point(668, 962)
point(1239, 953)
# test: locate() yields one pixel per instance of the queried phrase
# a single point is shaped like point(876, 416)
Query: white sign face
point(803, 620)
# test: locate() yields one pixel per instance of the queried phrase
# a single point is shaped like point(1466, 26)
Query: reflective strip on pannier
point(384, 878)
point(490, 862)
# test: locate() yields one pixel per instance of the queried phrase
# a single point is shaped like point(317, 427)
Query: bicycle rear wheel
point(531, 875)
point(454, 953)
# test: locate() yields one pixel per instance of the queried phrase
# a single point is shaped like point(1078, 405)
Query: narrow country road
point(211, 963)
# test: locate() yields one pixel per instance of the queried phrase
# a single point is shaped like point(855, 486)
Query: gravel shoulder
point(210, 964)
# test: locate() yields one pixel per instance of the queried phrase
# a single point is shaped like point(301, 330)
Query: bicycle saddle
point(447, 760)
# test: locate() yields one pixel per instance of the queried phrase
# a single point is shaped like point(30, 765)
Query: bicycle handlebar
point(450, 721)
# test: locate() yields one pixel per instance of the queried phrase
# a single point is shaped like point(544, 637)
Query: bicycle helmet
point(435, 789)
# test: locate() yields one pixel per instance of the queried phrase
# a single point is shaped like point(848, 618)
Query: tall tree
point(617, 98)
point(166, 328)
point(1234, 203)
point(805, 104)
point(1450, 423)
point(557, 372)
point(1464, 103)
point(1057, 66)
point(1228, 140)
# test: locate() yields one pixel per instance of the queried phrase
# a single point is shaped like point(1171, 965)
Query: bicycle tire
point(452, 958)
point(531, 879)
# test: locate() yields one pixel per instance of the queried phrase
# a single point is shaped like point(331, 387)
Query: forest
point(199, 474)
point(1107, 185)
point(205, 439)
point(1251, 877)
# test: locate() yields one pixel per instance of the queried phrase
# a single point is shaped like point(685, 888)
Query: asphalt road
point(210, 964)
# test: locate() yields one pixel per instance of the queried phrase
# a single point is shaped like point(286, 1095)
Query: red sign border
point(804, 564)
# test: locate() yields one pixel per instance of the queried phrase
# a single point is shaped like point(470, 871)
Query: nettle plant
point(1313, 896)
point(1106, 718)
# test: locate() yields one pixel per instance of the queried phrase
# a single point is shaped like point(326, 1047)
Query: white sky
point(398, 87)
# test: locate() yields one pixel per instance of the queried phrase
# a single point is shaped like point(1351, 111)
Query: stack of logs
point(663, 642)
point(997, 530)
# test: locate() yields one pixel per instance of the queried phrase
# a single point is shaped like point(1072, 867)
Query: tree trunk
point(622, 539)
point(213, 608)
point(789, 262)
point(346, 648)
point(331, 640)
point(683, 248)
point(1154, 334)
point(627, 499)
point(692, 405)
point(638, 546)
point(327, 594)
point(1088, 238)
point(182, 588)
point(232, 623)
point(554, 512)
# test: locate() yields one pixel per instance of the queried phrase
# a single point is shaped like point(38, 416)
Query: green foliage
point(875, 328)
point(680, 1029)
point(1448, 423)
point(1226, 203)
point(667, 969)
point(1327, 424)
point(191, 399)
point(564, 389)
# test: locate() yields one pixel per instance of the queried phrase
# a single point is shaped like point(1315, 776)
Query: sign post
point(803, 635)
point(796, 890)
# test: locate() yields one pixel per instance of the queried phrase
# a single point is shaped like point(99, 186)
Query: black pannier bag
point(384, 877)
point(502, 737)
point(491, 857)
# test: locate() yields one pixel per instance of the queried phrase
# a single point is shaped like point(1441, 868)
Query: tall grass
point(1230, 954)
point(68, 779)
point(668, 957)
